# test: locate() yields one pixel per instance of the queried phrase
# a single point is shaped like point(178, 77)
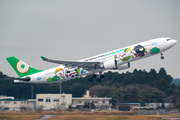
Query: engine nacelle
point(110, 64)
point(124, 66)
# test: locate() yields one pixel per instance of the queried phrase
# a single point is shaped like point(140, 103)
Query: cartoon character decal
point(126, 58)
point(155, 50)
point(128, 53)
point(55, 78)
point(140, 51)
point(61, 74)
point(115, 56)
point(127, 49)
point(71, 73)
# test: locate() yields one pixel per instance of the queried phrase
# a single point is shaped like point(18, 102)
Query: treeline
point(138, 86)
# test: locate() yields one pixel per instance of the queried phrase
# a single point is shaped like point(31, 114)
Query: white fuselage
point(121, 56)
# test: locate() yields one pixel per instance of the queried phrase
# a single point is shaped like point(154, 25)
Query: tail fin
point(21, 68)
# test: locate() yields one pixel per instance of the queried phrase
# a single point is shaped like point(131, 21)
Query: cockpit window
point(168, 39)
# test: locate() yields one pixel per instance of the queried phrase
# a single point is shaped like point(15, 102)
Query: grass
point(78, 115)
point(103, 117)
point(20, 117)
point(66, 113)
point(169, 115)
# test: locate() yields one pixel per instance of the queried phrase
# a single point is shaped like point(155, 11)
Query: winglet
point(44, 58)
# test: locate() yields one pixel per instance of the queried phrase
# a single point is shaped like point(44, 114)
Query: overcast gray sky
point(76, 29)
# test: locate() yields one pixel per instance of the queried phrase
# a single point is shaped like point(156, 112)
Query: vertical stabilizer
point(21, 68)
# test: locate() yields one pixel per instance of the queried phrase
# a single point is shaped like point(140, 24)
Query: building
point(137, 106)
point(131, 106)
point(53, 101)
point(31, 104)
point(11, 104)
point(158, 105)
point(63, 101)
point(99, 103)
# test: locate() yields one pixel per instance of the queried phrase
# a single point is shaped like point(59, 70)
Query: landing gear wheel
point(98, 80)
point(90, 79)
point(102, 76)
point(94, 76)
point(162, 57)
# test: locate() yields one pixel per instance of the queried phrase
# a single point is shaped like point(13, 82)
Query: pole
point(60, 95)
point(60, 88)
point(31, 92)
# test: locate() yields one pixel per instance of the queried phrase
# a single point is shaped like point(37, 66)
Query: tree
point(128, 86)
point(164, 84)
point(153, 73)
point(135, 71)
point(90, 105)
point(162, 106)
point(153, 94)
point(40, 107)
point(23, 108)
point(162, 72)
point(2, 75)
point(133, 79)
point(57, 106)
point(100, 91)
point(76, 90)
point(142, 79)
point(133, 90)
point(1, 107)
point(119, 94)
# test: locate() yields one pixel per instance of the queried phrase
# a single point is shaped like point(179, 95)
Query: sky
point(77, 29)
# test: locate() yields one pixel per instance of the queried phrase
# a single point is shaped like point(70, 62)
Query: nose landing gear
point(162, 57)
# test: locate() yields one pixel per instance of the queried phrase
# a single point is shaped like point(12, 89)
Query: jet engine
point(124, 66)
point(114, 64)
point(110, 64)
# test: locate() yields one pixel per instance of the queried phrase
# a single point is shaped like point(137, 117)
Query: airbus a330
point(118, 59)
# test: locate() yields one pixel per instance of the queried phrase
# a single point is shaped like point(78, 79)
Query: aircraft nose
point(173, 42)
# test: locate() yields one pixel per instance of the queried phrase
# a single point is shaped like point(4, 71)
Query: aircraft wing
point(85, 65)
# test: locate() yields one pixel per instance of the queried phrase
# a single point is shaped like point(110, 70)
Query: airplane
point(118, 59)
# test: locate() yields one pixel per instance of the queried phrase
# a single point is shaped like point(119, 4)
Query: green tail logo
point(21, 68)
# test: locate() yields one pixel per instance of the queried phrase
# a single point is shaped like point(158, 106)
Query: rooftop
point(13, 99)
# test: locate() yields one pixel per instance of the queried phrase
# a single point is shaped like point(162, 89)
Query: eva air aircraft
point(114, 60)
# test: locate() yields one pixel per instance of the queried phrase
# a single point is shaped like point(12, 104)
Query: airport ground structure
point(50, 102)
point(11, 104)
point(66, 101)
point(57, 102)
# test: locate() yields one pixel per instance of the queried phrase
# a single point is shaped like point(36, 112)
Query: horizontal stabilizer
point(23, 79)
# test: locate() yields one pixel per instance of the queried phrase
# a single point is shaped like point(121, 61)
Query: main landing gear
point(162, 57)
point(97, 77)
